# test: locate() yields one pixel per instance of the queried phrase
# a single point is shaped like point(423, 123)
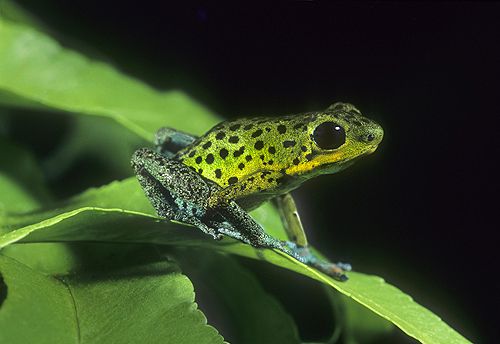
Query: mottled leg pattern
point(169, 141)
point(295, 232)
point(250, 232)
point(174, 190)
point(179, 193)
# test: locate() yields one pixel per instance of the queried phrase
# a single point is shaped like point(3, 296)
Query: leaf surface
point(132, 219)
point(88, 307)
point(35, 71)
point(30, 61)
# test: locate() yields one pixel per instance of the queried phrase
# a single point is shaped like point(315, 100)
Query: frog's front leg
point(175, 191)
point(296, 233)
point(290, 218)
point(169, 141)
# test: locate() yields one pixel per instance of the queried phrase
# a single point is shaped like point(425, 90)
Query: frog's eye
point(329, 135)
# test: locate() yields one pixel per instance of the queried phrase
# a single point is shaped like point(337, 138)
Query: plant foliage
point(129, 289)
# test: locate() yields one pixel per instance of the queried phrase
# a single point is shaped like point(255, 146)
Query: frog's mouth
point(329, 162)
point(369, 151)
point(342, 164)
point(335, 167)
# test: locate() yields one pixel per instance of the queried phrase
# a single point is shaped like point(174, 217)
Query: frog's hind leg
point(240, 225)
point(175, 191)
point(161, 201)
point(169, 141)
point(235, 222)
point(298, 239)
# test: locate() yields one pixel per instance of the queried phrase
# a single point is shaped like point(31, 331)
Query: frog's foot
point(304, 255)
point(344, 266)
point(212, 231)
point(332, 270)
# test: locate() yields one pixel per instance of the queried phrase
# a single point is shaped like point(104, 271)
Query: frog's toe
point(214, 233)
point(336, 273)
point(217, 236)
point(344, 266)
point(341, 277)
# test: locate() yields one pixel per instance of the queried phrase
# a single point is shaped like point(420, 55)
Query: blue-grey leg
point(252, 233)
point(175, 191)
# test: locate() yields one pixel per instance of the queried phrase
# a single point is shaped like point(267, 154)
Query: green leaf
point(13, 12)
point(355, 323)
point(100, 138)
point(35, 71)
point(20, 319)
point(48, 258)
point(21, 181)
point(238, 295)
point(89, 307)
point(120, 213)
point(30, 61)
point(14, 197)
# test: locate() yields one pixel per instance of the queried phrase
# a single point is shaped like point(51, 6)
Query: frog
point(212, 181)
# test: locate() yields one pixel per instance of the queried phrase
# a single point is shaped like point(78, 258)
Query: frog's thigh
point(171, 184)
point(169, 141)
point(291, 219)
point(175, 191)
point(151, 187)
point(250, 185)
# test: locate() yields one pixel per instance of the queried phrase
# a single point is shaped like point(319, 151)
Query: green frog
point(212, 181)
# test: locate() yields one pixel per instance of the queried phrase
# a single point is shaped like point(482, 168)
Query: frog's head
point(338, 136)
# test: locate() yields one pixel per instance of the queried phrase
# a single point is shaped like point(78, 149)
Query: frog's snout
point(373, 136)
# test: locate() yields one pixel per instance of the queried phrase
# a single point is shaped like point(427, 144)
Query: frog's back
point(234, 150)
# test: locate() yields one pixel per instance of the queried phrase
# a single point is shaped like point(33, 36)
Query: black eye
point(329, 135)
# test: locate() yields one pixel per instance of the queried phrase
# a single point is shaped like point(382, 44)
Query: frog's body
point(266, 157)
point(250, 161)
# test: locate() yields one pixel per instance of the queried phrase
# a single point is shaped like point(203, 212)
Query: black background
point(422, 210)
